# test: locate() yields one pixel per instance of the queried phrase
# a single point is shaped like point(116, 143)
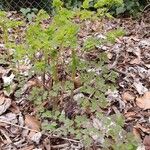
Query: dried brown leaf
point(77, 82)
point(144, 101)
point(136, 133)
point(5, 134)
point(31, 147)
point(14, 108)
point(4, 104)
point(47, 144)
point(130, 114)
point(32, 122)
point(143, 129)
point(127, 96)
point(35, 136)
point(146, 142)
point(147, 65)
point(135, 61)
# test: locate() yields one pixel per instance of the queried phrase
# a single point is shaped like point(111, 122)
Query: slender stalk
point(5, 35)
point(73, 70)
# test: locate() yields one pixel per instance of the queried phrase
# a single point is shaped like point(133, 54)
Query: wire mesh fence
point(18, 4)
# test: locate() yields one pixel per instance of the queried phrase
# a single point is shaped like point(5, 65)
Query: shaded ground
point(129, 56)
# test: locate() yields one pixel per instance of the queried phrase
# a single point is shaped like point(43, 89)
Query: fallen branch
point(51, 136)
point(118, 71)
point(60, 146)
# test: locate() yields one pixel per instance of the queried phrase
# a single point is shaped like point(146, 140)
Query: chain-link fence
point(39, 4)
point(18, 4)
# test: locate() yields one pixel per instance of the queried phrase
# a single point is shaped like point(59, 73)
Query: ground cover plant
point(115, 7)
point(68, 80)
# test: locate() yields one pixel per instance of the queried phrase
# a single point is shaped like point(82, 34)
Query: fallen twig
point(51, 136)
point(60, 146)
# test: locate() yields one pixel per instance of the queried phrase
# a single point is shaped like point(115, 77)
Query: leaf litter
point(129, 56)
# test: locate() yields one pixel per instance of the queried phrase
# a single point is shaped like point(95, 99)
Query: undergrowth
point(71, 96)
point(115, 7)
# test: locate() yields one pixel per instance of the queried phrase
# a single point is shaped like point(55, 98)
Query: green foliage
point(38, 95)
point(108, 3)
point(130, 6)
point(86, 4)
point(90, 43)
point(85, 14)
point(116, 7)
point(6, 23)
point(112, 35)
point(29, 13)
point(45, 47)
point(73, 3)
point(49, 42)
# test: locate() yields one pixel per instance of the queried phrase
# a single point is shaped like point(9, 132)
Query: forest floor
point(129, 56)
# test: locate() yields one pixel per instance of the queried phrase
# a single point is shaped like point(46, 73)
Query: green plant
point(129, 8)
point(132, 7)
point(73, 3)
point(45, 46)
point(117, 7)
point(112, 35)
point(6, 23)
point(108, 3)
point(85, 118)
point(92, 42)
point(29, 13)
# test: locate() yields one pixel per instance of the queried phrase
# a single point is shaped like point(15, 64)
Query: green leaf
point(47, 114)
point(57, 3)
point(120, 10)
point(112, 35)
point(49, 127)
point(30, 16)
point(85, 4)
point(25, 11)
point(91, 43)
